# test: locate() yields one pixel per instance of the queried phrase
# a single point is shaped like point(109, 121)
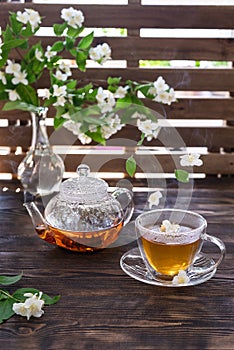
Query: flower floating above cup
point(191, 160)
point(154, 198)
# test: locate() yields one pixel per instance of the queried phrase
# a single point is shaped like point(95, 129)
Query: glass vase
point(41, 171)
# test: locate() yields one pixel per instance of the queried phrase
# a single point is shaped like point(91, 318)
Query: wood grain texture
point(136, 48)
point(124, 16)
point(189, 79)
point(185, 108)
point(214, 163)
point(169, 137)
point(100, 306)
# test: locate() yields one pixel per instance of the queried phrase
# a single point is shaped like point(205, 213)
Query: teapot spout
point(39, 223)
point(35, 215)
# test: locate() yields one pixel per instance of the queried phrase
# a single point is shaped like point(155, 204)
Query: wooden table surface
point(103, 308)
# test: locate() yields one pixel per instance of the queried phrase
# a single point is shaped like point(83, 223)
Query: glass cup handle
point(220, 245)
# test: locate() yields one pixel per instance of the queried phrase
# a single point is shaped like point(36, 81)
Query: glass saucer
point(133, 265)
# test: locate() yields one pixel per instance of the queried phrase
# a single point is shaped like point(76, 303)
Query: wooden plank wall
point(205, 94)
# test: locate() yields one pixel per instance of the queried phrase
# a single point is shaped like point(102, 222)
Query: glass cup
point(170, 240)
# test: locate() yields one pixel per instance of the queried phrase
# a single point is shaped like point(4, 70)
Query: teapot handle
point(125, 198)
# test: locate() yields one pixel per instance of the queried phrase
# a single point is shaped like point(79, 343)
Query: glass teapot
point(83, 216)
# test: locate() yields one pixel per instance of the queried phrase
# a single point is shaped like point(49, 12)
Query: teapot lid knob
point(83, 170)
point(83, 188)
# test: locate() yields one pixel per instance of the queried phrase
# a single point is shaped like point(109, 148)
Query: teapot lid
point(84, 188)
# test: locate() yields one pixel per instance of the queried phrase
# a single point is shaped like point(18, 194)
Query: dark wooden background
point(207, 93)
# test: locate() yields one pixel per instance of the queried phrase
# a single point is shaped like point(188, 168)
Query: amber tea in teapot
point(83, 216)
point(80, 241)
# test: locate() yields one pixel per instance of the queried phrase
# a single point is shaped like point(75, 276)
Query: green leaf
point(2, 295)
point(143, 88)
point(58, 46)
point(15, 25)
point(84, 114)
point(85, 89)
point(59, 28)
point(86, 41)
point(4, 58)
point(27, 94)
point(69, 44)
point(77, 100)
point(24, 46)
point(7, 35)
point(112, 88)
point(89, 119)
point(19, 294)
point(122, 103)
point(27, 32)
point(6, 309)
point(97, 137)
point(136, 100)
point(182, 175)
point(113, 81)
point(131, 166)
point(73, 52)
point(7, 280)
point(58, 122)
point(81, 60)
point(74, 32)
point(11, 44)
point(71, 85)
point(3, 95)
point(49, 300)
point(9, 106)
point(139, 143)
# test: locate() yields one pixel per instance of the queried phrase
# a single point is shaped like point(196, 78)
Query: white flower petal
point(13, 95)
point(181, 278)
point(73, 17)
point(121, 92)
point(22, 17)
point(169, 227)
point(105, 99)
point(39, 55)
point(154, 198)
point(100, 53)
point(20, 77)
point(31, 307)
point(149, 128)
point(190, 160)
point(12, 68)
point(28, 295)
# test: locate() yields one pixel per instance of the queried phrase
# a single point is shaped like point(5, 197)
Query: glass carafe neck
point(39, 133)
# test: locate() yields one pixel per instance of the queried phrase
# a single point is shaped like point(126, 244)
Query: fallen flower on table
point(181, 278)
point(24, 301)
point(31, 307)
